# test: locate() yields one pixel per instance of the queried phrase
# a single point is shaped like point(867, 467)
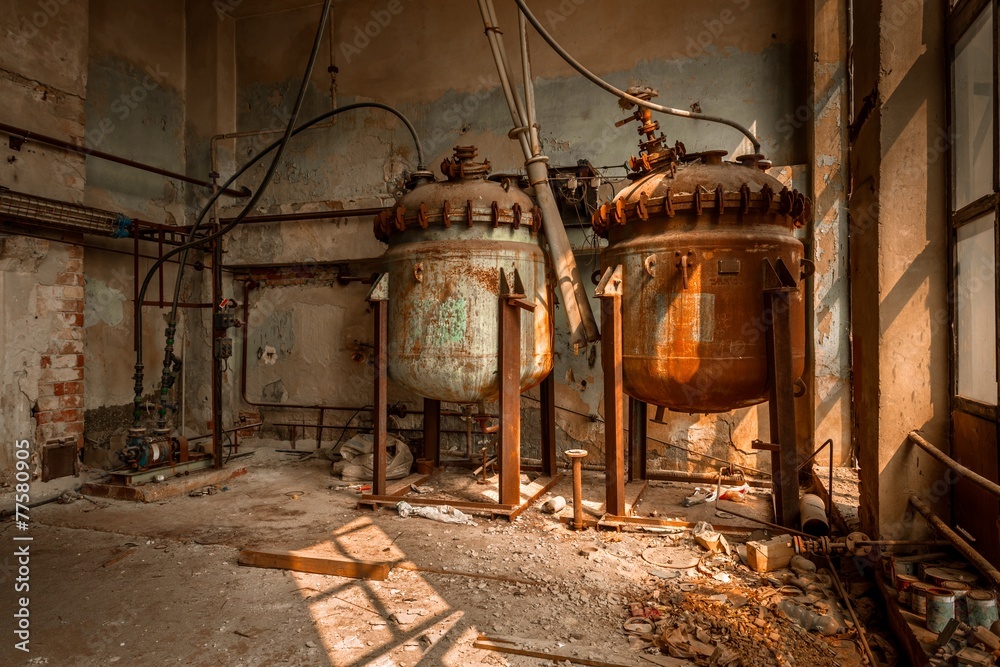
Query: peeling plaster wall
point(728, 57)
point(43, 78)
point(135, 108)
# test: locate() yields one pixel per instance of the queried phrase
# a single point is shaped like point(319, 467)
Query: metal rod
point(850, 609)
point(310, 215)
point(956, 540)
point(576, 457)
point(970, 475)
point(28, 135)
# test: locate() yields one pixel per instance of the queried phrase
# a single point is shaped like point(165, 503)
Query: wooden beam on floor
point(548, 650)
point(609, 522)
point(402, 487)
point(315, 563)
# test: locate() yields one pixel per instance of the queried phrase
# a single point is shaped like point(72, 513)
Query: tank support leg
point(378, 298)
point(512, 302)
point(638, 418)
point(548, 396)
point(609, 290)
point(778, 287)
point(432, 431)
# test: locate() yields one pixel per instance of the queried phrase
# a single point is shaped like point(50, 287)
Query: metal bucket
point(982, 607)
point(940, 608)
point(960, 589)
point(903, 584)
point(918, 597)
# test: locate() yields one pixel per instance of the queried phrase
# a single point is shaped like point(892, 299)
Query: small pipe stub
point(576, 454)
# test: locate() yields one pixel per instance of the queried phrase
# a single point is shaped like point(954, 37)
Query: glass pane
point(977, 319)
point(974, 112)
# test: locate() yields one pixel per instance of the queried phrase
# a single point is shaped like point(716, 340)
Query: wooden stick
point(305, 561)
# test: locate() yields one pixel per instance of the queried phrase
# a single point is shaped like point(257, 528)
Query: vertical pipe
point(576, 457)
point(548, 396)
point(216, 363)
point(432, 431)
point(781, 407)
point(380, 415)
point(614, 449)
point(509, 456)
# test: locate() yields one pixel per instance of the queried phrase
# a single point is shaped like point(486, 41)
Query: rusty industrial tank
point(448, 241)
point(693, 235)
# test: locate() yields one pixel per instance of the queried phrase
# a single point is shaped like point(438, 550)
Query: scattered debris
point(709, 539)
point(553, 505)
point(770, 555)
point(442, 513)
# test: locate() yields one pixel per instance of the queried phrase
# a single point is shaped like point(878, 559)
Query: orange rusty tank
point(448, 241)
point(692, 234)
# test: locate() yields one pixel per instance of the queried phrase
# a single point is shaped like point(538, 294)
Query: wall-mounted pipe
point(954, 465)
point(18, 133)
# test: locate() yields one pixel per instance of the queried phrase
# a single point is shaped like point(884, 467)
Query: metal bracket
point(611, 283)
point(777, 277)
point(514, 295)
point(380, 288)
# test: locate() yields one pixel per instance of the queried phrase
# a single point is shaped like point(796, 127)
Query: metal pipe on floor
point(954, 465)
point(576, 456)
point(27, 135)
point(963, 547)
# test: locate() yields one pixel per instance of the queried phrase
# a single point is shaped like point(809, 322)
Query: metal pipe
point(27, 135)
point(951, 463)
point(621, 94)
point(850, 609)
point(311, 215)
point(974, 557)
point(583, 326)
point(576, 456)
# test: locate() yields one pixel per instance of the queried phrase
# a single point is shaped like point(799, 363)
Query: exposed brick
point(75, 279)
point(46, 389)
point(48, 403)
point(71, 401)
point(63, 360)
point(61, 374)
point(70, 333)
point(73, 428)
point(46, 361)
point(73, 266)
point(72, 292)
point(45, 417)
point(66, 347)
point(70, 388)
point(72, 319)
point(75, 251)
point(71, 305)
point(70, 415)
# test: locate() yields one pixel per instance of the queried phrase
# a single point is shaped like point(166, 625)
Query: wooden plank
point(316, 563)
point(618, 522)
point(547, 650)
point(401, 487)
point(534, 491)
point(371, 500)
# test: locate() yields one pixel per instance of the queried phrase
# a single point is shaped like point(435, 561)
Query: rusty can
point(448, 242)
point(940, 608)
point(903, 584)
point(982, 607)
point(918, 597)
point(694, 236)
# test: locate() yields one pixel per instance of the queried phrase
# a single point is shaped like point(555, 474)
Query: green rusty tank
point(694, 235)
point(448, 241)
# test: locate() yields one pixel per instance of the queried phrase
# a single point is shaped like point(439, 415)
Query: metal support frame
point(638, 418)
point(609, 290)
point(378, 297)
point(548, 441)
point(432, 431)
point(511, 302)
point(779, 284)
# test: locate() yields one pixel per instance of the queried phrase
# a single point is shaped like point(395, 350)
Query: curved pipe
point(621, 93)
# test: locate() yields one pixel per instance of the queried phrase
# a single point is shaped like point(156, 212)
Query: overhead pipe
point(583, 326)
point(963, 547)
point(621, 94)
point(954, 465)
point(28, 135)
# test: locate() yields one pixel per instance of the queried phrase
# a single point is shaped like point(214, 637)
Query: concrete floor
point(114, 582)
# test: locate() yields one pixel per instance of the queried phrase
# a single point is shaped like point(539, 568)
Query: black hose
point(194, 243)
point(621, 93)
point(167, 380)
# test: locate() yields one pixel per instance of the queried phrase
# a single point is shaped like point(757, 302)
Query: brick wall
point(59, 411)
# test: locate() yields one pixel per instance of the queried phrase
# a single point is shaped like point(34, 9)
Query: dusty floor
point(118, 583)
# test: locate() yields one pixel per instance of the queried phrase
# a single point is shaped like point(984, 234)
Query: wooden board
point(170, 488)
point(316, 563)
point(550, 650)
point(975, 447)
